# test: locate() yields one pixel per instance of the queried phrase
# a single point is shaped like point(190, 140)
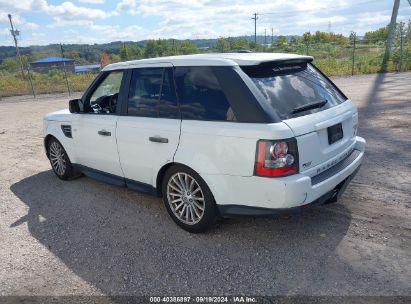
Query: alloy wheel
point(186, 198)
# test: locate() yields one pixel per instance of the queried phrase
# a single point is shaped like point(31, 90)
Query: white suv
point(213, 134)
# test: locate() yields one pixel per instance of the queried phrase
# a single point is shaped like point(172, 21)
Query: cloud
point(92, 1)
point(128, 6)
point(183, 19)
point(30, 25)
point(66, 9)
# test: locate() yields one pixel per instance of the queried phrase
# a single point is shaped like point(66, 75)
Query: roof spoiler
point(286, 61)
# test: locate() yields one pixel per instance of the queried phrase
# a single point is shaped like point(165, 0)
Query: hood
point(62, 115)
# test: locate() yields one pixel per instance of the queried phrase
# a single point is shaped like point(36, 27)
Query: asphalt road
point(85, 237)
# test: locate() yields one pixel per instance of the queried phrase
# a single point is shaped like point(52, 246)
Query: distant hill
point(111, 47)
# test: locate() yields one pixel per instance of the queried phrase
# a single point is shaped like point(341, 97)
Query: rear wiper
point(310, 106)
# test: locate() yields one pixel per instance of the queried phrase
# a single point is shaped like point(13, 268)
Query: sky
point(99, 21)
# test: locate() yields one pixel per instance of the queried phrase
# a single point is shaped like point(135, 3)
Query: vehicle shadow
point(124, 243)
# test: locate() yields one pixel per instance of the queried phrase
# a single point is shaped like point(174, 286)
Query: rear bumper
point(260, 195)
point(327, 198)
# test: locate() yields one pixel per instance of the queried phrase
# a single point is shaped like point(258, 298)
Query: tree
point(306, 38)
point(222, 45)
point(150, 49)
point(374, 36)
point(186, 47)
point(104, 59)
point(134, 52)
point(124, 53)
point(281, 41)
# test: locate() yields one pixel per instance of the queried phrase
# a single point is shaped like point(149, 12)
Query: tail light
point(276, 158)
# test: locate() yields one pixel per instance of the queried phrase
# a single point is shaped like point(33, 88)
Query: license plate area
point(335, 133)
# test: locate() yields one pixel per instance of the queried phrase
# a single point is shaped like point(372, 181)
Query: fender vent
point(66, 130)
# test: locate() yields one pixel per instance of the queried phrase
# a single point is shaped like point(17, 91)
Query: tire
point(60, 163)
point(188, 199)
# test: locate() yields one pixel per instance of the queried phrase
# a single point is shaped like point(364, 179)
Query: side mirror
point(74, 106)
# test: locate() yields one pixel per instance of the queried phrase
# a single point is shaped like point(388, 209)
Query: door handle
point(104, 133)
point(158, 139)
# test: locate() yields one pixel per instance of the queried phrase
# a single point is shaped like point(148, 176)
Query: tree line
point(123, 51)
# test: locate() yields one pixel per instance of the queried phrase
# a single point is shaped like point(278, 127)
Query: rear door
point(318, 113)
point(149, 129)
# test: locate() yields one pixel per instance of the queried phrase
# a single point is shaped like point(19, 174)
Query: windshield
point(294, 89)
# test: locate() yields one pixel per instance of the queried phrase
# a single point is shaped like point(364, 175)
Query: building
point(88, 68)
point(47, 64)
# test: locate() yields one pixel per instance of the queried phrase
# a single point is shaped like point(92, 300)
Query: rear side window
point(201, 96)
point(152, 93)
point(295, 89)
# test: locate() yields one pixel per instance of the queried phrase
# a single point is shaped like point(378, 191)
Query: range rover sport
point(213, 134)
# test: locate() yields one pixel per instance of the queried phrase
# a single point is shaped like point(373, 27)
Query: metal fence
point(357, 57)
point(32, 82)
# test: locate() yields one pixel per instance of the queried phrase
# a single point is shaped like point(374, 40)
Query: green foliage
point(231, 44)
point(281, 41)
point(378, 35)
point(186, 47)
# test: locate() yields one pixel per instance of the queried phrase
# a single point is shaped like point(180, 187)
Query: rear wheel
point(188, 199)
point(59, 161)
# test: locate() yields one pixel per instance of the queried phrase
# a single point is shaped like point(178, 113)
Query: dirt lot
point(85, 237)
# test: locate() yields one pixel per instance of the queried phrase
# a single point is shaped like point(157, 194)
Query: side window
point(168, 106)
point(152, 93)
point(201, 96)
point(105, 96)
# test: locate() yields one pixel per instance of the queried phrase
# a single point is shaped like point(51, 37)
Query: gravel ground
point(84, 237)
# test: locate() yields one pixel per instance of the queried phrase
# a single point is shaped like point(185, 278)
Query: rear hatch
point(321, 117)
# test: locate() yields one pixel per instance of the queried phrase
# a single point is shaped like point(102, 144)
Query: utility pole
point(265, 37)
point(16, 33)
point(272, 35)
point(401, 43)
point(255, 28)
point(391, 31)
point(64, 69)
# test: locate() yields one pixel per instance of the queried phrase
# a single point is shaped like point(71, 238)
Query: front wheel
point(188, 199)
point(59, 161)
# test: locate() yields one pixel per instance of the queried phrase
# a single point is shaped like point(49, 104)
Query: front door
point(94, 130)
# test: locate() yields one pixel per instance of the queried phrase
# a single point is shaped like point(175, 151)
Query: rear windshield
point(294, 90)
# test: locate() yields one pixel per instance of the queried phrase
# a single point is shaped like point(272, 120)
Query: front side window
point(201, 95)
point(152, 93)
point(105, 96)
point(294, 90)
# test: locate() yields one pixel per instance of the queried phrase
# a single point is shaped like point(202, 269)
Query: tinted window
point(152, 93)
point(295, 90)
point(167, 106)
point(200, 94)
